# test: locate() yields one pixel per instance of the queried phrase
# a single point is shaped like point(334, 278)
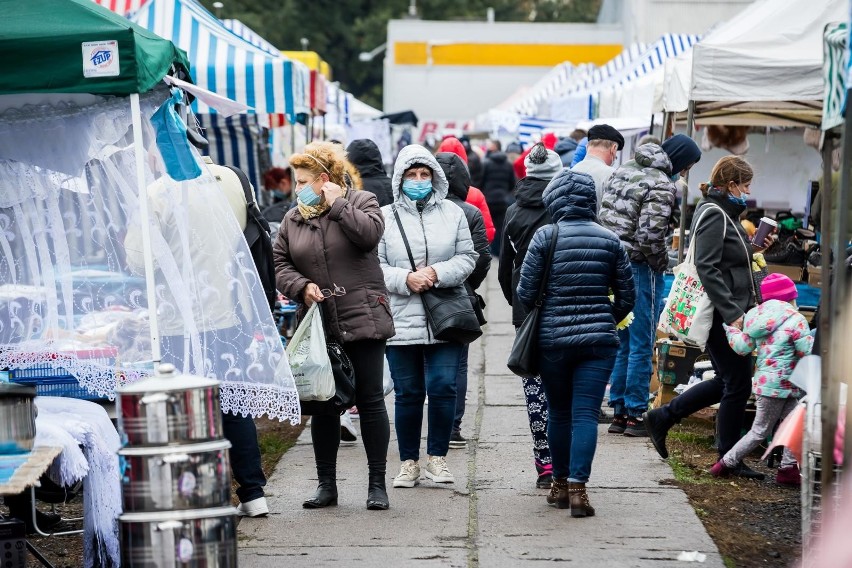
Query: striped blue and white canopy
point(251, 36)
point(223, 62)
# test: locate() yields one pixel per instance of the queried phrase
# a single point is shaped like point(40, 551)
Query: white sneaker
point(348, 433)
point(409, 474)
point(254, 508)
point(437, 470)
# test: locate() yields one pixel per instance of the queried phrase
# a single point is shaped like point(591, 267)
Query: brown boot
point(579, 500)
point(559, 494)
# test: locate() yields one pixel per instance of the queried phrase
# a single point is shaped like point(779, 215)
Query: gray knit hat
point(542, 163)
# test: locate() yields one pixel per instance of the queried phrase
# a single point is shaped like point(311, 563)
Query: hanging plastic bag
point(387, 381)
point(309, 359)
point(172, 141)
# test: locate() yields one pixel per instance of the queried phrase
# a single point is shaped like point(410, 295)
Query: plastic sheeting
point(72, 286)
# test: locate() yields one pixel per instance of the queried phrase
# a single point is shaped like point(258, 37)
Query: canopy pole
point(147, 250)
point(690, 126)
point(828, 396)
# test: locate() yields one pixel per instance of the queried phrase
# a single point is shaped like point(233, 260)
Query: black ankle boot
point(325, 496)
point(377, 495)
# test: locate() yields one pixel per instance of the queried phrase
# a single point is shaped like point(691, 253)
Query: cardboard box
point(664, 395)
point(675, 361)
point(794, 273)
point(815, 276)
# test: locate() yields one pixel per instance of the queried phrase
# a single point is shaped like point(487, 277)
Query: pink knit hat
point(778, 287)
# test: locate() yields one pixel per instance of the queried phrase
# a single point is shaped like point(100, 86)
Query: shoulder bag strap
point(548, 262)
point(404, 239)
point(724, 234)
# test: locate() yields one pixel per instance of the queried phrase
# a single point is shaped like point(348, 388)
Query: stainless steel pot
point(194, 476)
point(169, 408)
point(200, 538)
point(17, 418)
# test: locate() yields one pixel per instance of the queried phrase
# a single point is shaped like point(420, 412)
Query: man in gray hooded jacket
point(638, 204)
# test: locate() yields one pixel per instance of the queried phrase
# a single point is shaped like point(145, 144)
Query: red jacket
point(474, 196)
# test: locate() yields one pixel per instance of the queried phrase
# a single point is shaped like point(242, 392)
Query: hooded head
point(580, 152)
point(453, 145)
point(542, 163)
point(365, 155)
point(653, 156)
point(457, 174)
point(571, 195)
point(682, 151)
point(415, 154)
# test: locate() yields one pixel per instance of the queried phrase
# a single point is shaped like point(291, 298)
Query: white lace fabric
point(73, 295)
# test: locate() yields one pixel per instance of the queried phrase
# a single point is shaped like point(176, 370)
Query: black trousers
point(731, 387)
point(367, 358)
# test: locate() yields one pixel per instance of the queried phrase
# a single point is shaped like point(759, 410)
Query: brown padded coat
point(338, 248)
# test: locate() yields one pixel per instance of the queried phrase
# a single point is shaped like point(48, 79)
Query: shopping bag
point(309, 359)
point(387, 380)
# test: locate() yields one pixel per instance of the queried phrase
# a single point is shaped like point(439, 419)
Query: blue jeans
point(461, 388)
point(574, 381)
point(418, 370)
point(631, 376)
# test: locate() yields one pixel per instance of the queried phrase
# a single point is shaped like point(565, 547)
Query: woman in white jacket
point(444, 257)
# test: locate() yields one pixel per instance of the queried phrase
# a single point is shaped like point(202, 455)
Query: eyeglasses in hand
point(338, 291)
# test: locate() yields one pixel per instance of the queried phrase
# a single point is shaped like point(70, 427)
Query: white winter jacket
point(439, 237)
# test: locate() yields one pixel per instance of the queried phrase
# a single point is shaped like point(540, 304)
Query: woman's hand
point(312, 294)
point(331, 191)
point(738, 324)
point(430, 274)
point(418, 281)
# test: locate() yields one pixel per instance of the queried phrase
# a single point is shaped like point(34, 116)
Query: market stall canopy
point(835, 70)
point(764, 67)
point(400, 118)
point(41, 42)
point(226, 64)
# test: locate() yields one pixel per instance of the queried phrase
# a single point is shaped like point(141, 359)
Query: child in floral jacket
point(781, 337)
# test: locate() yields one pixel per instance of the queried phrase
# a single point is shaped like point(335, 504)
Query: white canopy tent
point(764, 67)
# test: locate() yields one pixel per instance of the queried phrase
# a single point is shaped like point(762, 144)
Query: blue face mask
point(306, 196)
point(675, 177)
point(741, 200)
point(416, 190)
point(279, 195)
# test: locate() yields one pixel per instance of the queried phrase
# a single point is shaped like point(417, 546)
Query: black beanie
point(682, 151)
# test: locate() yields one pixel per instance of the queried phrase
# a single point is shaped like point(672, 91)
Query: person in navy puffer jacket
point(577, 334)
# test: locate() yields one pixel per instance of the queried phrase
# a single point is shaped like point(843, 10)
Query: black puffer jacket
point(498, 179)
point(523, 219)
point(588, 262)
point(459, 179)
point(365, 155)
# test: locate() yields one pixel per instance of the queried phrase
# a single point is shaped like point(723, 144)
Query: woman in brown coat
point(326, 252)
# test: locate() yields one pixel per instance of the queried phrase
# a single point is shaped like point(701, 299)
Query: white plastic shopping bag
point(387, 381)
point(309, 359)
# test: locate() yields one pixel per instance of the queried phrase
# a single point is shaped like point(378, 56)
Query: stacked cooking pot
point(176, 479)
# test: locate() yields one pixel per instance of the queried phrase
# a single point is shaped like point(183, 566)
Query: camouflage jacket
point(638, 202)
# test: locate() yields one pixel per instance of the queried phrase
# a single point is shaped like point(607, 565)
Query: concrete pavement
point(492, 515)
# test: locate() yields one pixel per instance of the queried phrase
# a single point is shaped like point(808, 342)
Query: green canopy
point(78, 46)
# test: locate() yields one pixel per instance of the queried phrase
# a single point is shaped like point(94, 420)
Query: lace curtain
point(73, 293)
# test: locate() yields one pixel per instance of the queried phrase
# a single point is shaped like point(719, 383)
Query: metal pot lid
point(212, 446)
point(15, 389)
point(189, 515)
point(168, 379)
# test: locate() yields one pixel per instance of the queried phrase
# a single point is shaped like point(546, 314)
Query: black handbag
point(344, 382)
point(449, 311)
point(523, 359)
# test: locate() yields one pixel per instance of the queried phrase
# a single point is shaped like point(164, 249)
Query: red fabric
point(549, 140)
point(451, 144)
point(476, 198)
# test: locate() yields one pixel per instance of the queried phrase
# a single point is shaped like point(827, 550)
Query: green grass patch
point(691, 438)
point(729, 562)
point(687, 473)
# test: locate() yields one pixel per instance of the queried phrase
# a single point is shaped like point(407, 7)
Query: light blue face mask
point(416, 190)
point(306, 196)
point(675, 177)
